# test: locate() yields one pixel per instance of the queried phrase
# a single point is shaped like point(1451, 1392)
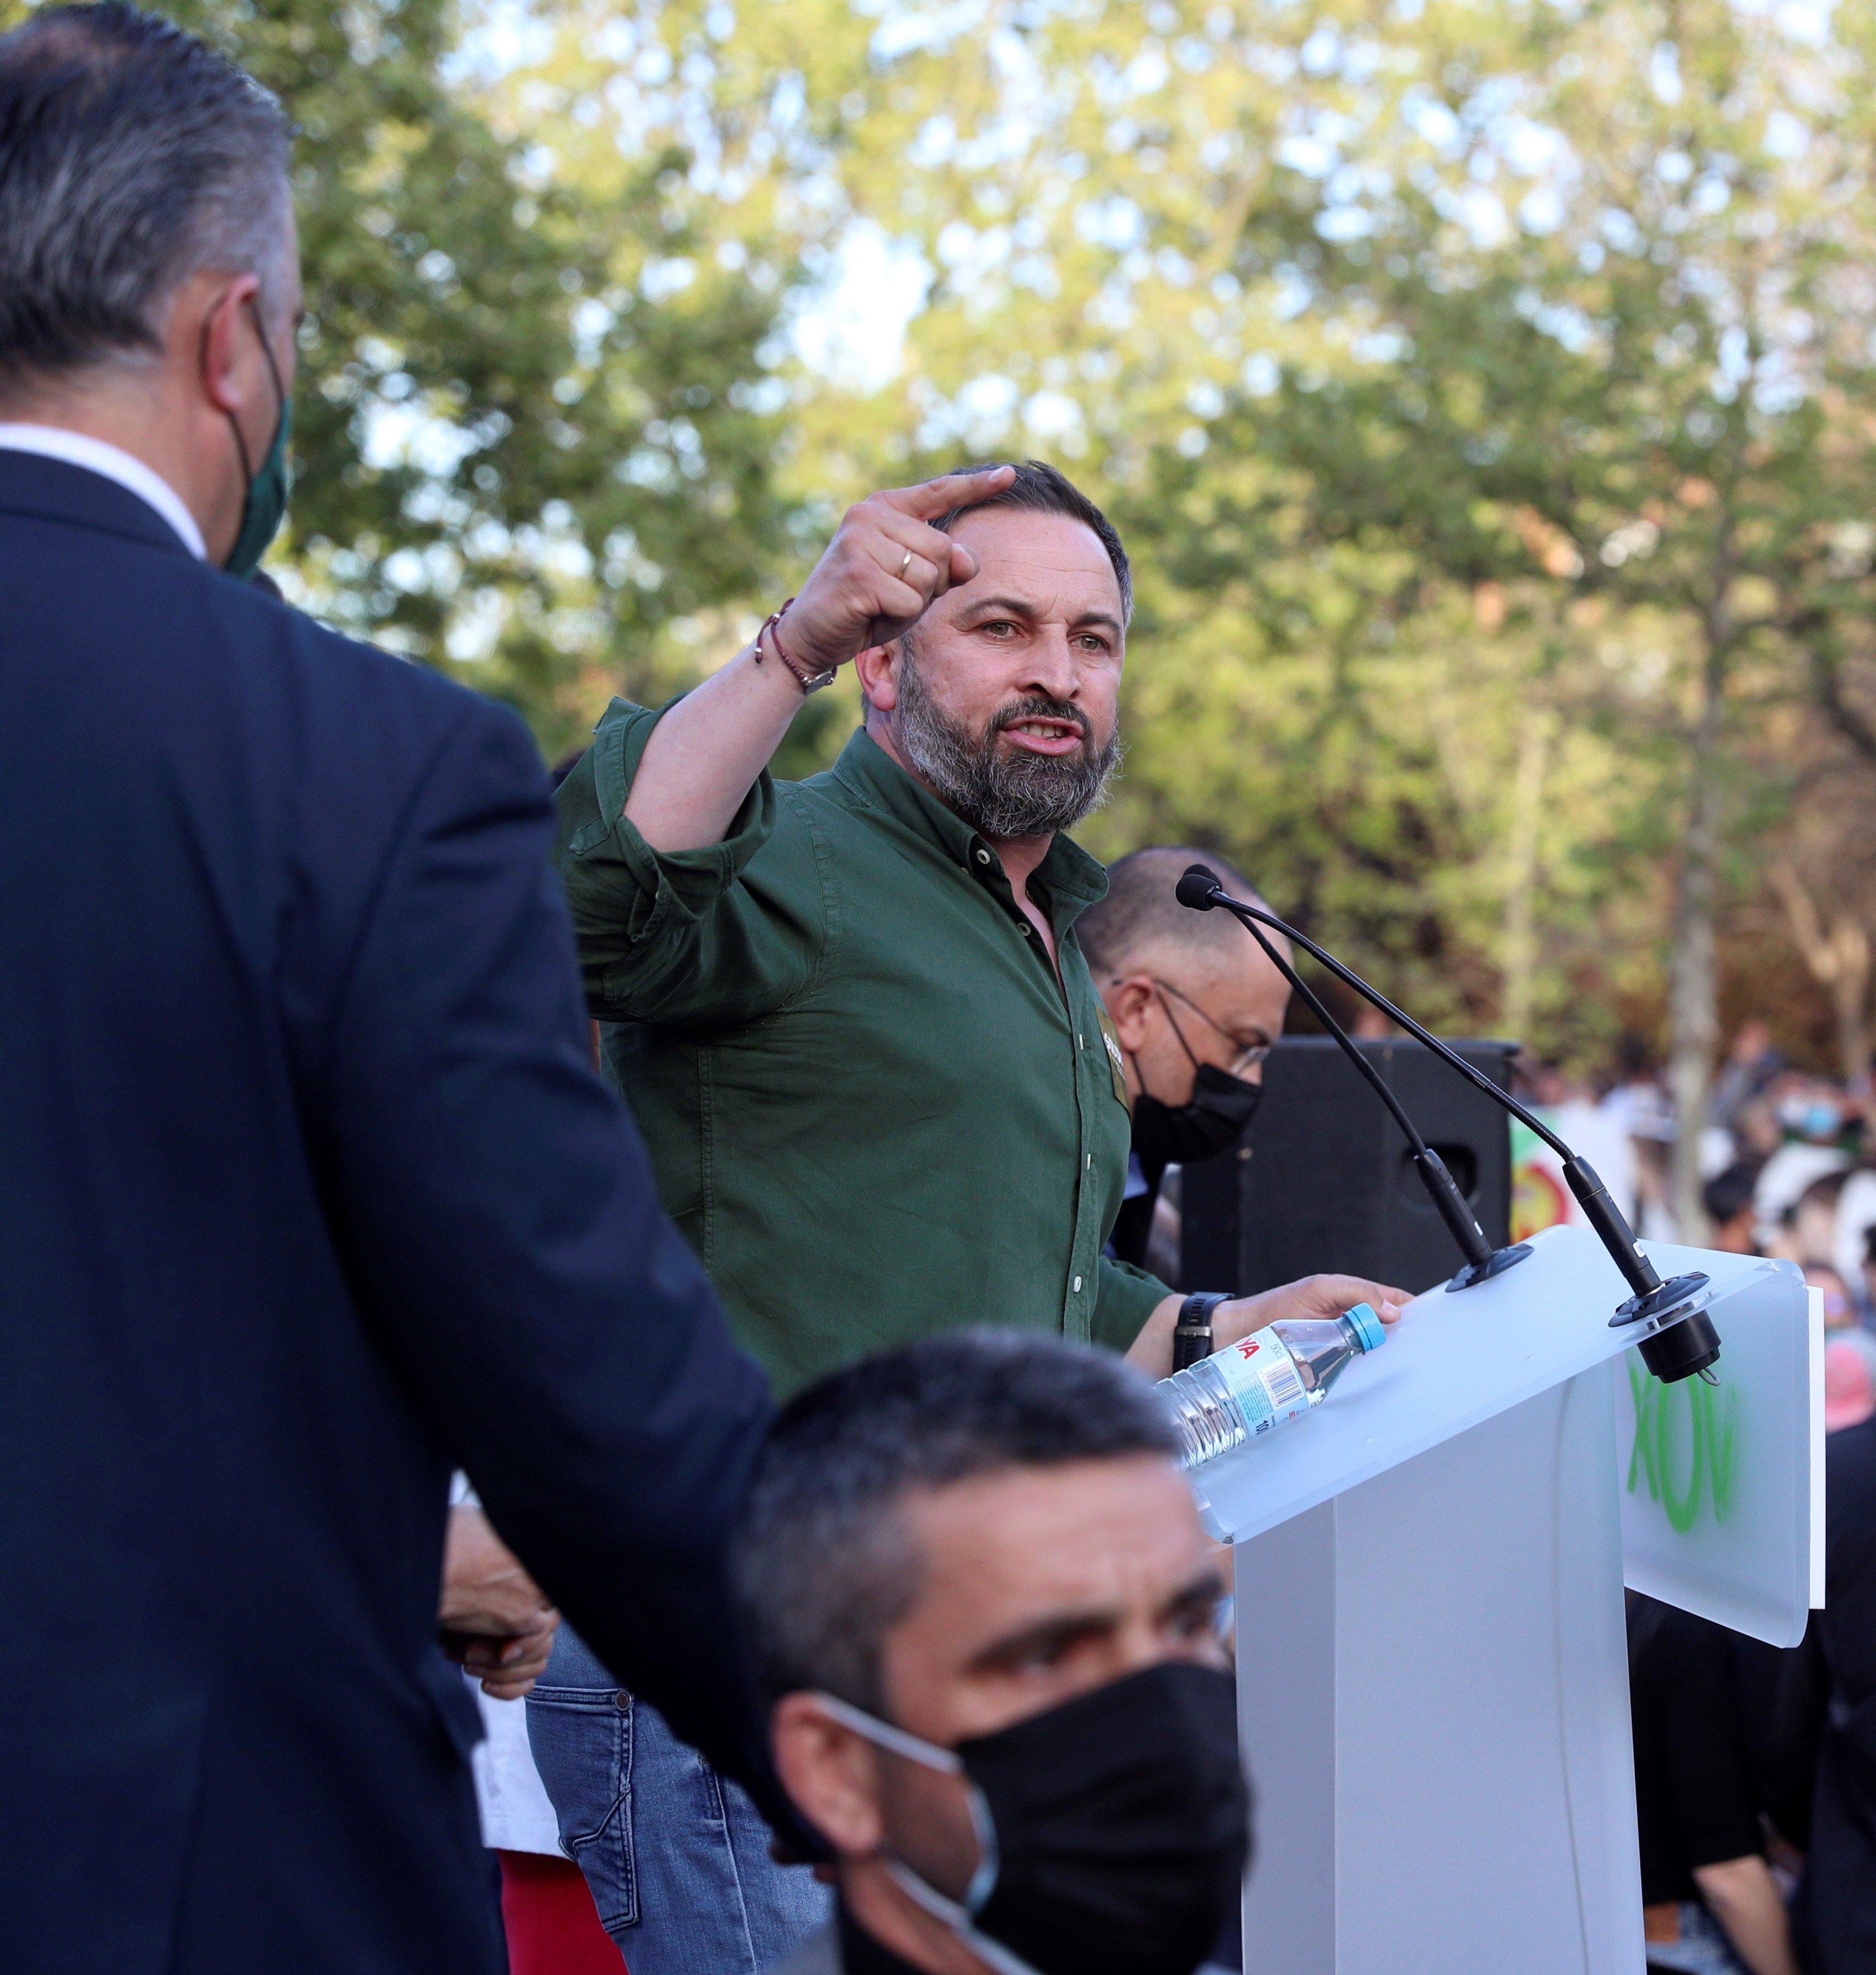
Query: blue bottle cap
point(1368, 1332)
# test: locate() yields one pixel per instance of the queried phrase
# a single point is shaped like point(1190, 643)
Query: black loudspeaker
point(1323, 1180)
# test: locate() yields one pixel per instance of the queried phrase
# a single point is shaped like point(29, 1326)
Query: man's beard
point(1004, 792)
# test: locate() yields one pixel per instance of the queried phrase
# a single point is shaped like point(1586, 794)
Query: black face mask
point(1215, 1117)
point(1115, 1829)
point(1121, 1825)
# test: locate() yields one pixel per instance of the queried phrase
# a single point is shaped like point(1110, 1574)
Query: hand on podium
point(1312, 1296)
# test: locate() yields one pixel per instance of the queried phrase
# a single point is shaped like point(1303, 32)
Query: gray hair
point(131, 155)
point(1141, 910)
point(825, 1564)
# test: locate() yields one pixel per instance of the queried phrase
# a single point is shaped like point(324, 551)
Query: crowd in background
point(1752, 1773)
point(1789, 1160)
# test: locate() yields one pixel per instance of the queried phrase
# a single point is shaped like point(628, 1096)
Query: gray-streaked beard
point(1004, 792)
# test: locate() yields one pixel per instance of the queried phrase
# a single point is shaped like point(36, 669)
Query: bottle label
point(1261, 1376)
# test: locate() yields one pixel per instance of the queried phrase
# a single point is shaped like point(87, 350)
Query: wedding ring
point(905, 563)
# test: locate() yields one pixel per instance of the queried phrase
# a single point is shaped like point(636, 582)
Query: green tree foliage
point(1074, 186)
point(1646, 384)
point(1484, 392)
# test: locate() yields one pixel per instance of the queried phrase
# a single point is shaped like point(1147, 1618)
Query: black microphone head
point(1196, 886)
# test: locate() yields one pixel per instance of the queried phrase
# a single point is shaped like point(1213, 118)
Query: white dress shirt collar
point(98, 455)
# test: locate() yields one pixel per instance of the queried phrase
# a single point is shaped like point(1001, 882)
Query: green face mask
point(265, 506)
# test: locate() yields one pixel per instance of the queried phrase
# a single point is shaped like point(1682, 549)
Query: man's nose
point(1054, 669)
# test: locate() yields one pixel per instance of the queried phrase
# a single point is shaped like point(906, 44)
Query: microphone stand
point(1677, 1340)
point(1482, 1261)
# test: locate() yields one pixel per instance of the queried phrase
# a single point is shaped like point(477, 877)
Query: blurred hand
point(493, 1619)
point(507, 1667)
point(857, 597)
point(1314, 1297)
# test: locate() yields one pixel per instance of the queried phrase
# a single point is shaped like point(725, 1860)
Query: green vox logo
point(1685, 1436)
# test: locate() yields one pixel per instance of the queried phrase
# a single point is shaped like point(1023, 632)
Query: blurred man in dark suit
point(308, 1190)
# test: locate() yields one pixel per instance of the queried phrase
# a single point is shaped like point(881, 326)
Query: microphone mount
point(1676, 1339)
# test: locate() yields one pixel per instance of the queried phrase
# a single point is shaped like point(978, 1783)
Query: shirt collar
point(1072, 879)
point(100, 456)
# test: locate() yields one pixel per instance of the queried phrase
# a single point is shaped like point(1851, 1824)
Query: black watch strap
point(1192, 1334)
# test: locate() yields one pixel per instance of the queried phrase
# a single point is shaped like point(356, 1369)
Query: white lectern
point(1432, 1671)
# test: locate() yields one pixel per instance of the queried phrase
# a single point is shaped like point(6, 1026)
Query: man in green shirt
point(881, 1093)
point(851, 1015)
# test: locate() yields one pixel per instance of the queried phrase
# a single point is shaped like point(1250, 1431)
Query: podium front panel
point(1434, 1708)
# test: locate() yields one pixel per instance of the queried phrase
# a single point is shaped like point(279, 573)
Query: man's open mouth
point(1038, 734)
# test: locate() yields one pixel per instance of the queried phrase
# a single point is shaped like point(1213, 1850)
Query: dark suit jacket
point(308, 1193)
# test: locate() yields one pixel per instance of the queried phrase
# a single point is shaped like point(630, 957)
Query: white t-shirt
point(516, 1814)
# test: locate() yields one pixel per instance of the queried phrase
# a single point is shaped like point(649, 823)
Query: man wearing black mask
point(987, 1621)
point(1194, 1005)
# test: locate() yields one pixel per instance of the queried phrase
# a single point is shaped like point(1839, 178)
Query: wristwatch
point(1192, 1334)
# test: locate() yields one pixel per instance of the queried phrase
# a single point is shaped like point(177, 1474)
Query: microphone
point(1676, 1339)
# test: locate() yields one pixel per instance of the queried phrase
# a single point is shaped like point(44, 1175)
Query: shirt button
point(1025, 929)
point(1078, 1285)
point(983, 856)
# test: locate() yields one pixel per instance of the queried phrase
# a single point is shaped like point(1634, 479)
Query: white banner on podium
point(1722, 1484)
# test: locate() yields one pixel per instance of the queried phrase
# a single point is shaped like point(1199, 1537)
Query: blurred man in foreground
point(987, 1619)
point(308, 1191)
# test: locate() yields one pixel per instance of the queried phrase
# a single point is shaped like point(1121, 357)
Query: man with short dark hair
point(854, 1020)
point(308, 1192)
point(986, 1617)
point(852, 1014)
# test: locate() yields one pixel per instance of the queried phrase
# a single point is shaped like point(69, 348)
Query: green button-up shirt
point(873, 1107)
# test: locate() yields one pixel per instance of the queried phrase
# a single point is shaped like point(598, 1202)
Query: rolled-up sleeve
point(1127, 1297)
point(726, 932)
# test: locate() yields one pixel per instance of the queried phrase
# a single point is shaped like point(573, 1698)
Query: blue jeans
point(677, 1856)
point(1702, 1948)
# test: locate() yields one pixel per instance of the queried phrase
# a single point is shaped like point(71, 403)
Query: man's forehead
point(1234, 974)
point(1008, 1547)
point(1051, 560)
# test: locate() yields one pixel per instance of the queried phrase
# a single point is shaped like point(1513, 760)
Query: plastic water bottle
point(1275, 1375)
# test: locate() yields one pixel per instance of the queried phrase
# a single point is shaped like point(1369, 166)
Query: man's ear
point(227, 337)
point(831, 1773)
point(877, 669)
point(1128, 1002)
